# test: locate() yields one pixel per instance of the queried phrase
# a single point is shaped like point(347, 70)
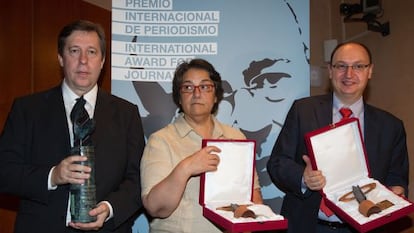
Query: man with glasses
point(384, 137)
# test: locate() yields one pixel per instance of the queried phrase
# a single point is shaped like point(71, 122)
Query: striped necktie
point(79, 117)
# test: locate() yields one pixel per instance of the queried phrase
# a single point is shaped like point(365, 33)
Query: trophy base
point(367, 208)
point(82, 200)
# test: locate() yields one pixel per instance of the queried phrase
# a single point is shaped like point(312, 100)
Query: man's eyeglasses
point(356, 67)
point(190, 88)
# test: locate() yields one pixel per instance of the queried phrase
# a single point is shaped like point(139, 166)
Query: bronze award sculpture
point(240, 211)
point(366, 207)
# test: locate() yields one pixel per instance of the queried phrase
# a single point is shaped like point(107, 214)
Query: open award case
point(226, 194)
point(339, 152)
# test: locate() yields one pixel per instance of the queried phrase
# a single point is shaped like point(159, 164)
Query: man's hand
point(398, 190)
point(313, 179)
point(67, 171)
point(101, 212)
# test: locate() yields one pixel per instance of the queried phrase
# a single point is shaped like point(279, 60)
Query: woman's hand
point(204, 160)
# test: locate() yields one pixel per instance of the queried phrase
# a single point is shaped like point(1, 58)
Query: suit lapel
point(323, 112)
point(57, 122)
point(370, 128)
point(103, 113)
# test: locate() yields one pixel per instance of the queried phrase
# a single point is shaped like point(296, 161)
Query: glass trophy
point(83, 196)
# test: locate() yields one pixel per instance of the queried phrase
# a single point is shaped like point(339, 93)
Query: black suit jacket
point(385, 141)
point(36, 138)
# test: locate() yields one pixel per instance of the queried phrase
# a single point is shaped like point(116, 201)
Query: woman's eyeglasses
point(190, 88)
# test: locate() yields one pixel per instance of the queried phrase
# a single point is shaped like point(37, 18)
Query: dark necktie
point(79, 117)
point(345, 112)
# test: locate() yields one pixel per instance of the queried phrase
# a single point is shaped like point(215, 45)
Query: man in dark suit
point(384, 137)
point(35, 159)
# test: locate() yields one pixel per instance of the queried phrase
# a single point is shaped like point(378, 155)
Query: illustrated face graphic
point(268, 84)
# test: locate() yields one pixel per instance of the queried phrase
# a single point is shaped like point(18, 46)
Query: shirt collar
point(357, 107)
point(184, 128)
point(69, 97)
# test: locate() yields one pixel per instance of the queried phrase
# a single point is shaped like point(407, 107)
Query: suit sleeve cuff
point(49, 180)
point(303, 186)
point(111, 210)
